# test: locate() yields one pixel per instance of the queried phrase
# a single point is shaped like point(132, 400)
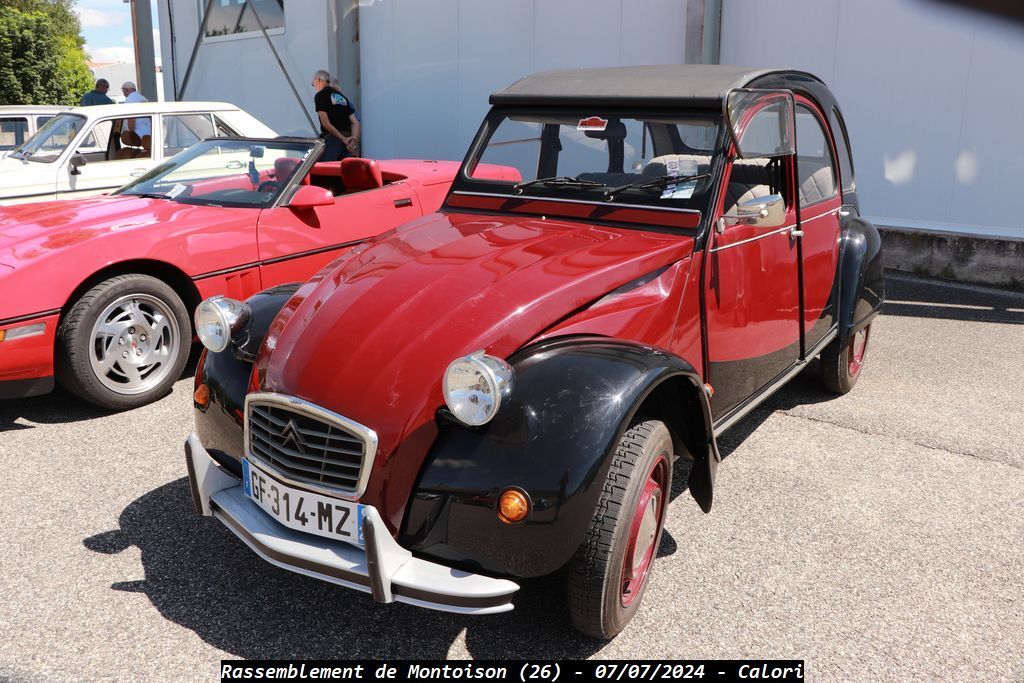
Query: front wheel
point(609, 573)
point(843, 360)
point(124, 342)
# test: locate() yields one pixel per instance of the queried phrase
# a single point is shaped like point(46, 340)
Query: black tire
point(597, 571)
point(842, 361)
point(76, 346)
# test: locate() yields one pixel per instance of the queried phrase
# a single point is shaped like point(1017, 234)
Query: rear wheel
point(124, 342)
point(610, 571)
point(843, 360)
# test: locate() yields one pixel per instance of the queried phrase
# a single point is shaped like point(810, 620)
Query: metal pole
point(145, 59)
point(288, 78)
point(195, 48)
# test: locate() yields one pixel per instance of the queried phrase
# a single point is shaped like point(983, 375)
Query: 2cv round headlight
point(475, 386)
point(217, 318)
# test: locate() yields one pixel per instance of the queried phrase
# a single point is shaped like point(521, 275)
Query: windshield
point(51, 140)
point(224, 172)
point(614, 157)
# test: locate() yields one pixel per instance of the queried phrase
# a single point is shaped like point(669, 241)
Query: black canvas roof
point(664, 85)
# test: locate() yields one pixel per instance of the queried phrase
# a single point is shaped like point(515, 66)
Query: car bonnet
point(371, 340)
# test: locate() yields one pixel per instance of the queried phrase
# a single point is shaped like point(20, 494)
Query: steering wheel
point(268, 185)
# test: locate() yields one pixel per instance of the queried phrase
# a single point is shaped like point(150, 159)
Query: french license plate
point(303, 510)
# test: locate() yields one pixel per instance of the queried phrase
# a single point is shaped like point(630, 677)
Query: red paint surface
point(29, 357)
point(54, 247)
point(371, 337)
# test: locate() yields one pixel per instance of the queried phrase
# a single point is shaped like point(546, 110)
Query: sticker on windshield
point(592, 123)
point(680, 190)
point(176, 190)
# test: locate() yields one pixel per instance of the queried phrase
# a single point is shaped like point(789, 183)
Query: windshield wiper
point(659, 181)
point(558, 181)
point(147, 195)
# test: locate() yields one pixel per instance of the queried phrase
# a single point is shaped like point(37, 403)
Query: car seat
point(361, 174)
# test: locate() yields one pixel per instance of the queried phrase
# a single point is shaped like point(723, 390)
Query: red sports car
point(99, 292)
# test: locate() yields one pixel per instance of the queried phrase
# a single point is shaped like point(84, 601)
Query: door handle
point(404, 201)
point(136, 172)
point(234, 164)
point(795, 232)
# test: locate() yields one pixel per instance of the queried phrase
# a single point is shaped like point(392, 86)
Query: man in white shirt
point(142, 126)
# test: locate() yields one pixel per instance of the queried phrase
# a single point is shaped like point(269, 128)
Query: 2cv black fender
point(861, 274)
point(553, 440)
point(227, 374)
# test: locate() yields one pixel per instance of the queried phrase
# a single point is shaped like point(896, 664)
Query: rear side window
point(843, 150)
point(13, 132)
point(815, 166)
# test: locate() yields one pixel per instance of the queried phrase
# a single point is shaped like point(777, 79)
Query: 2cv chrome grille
point(307, 444)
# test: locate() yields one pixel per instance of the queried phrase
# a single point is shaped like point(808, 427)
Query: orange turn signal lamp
point(202, 396)
point(513, 506)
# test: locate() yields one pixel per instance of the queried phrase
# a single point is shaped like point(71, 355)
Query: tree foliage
point(42, 60)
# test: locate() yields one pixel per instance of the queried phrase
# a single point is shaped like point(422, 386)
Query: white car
point(19, 122)
point(90, 150)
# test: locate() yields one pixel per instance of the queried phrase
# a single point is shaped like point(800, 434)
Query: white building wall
point(241, 69)
point(428, 68)
point(930, 94)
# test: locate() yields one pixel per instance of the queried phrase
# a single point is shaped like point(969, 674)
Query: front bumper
point(384, 569)
point(26, 363)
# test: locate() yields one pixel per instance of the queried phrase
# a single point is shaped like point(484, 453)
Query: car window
point(594, 155)
point(816, 170)
point(843, 150)
point(50, 141)
point(13, 131)
point(223, 129)
point(185, 130)
point(120, 139)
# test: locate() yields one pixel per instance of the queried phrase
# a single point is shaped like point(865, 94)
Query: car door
point(114, 150)
point(818, 192)
point(295, 243)
point(752, 292)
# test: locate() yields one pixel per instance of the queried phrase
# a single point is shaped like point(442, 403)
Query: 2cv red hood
point(373, 338)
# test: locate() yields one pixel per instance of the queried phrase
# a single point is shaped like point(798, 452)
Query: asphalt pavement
point(878, 535)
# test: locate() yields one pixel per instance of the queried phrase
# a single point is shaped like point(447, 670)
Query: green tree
point(42, 60)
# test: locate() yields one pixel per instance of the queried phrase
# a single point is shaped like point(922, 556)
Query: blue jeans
point(335, 150)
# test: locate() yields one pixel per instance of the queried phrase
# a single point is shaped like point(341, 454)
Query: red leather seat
point(327, 168)
point(360, 174)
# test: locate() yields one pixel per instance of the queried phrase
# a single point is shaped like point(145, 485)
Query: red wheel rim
point(643, 533)
point(858, 348)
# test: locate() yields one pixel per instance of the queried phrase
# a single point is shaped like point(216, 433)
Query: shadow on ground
point(62, 407)
point(920, 297)
point(198, 575)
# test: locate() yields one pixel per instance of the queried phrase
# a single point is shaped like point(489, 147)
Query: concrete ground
point(878, 536)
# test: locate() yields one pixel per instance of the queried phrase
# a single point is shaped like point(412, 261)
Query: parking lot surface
point(878, 535)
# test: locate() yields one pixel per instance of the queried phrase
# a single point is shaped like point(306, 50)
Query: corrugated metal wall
point(931, 95)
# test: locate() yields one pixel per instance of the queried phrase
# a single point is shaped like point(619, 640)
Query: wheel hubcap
point(643, 534)
point(134, 344)
point(858, 348)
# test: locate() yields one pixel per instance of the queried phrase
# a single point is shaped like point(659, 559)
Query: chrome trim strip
point(368, 436)
point(753, 239)
point(771, 388)
point(528, 197)
point(823, 342)
point(814, 218)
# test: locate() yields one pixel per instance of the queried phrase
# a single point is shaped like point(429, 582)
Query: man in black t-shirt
point(339, 126)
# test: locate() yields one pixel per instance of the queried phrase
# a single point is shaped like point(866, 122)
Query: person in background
point(339, 126)
point(140, 126)
point(97, 95)
point(131, 94)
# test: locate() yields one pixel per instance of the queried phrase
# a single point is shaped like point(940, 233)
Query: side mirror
point(763, 212)
point(77, 161)
point(311, 196)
